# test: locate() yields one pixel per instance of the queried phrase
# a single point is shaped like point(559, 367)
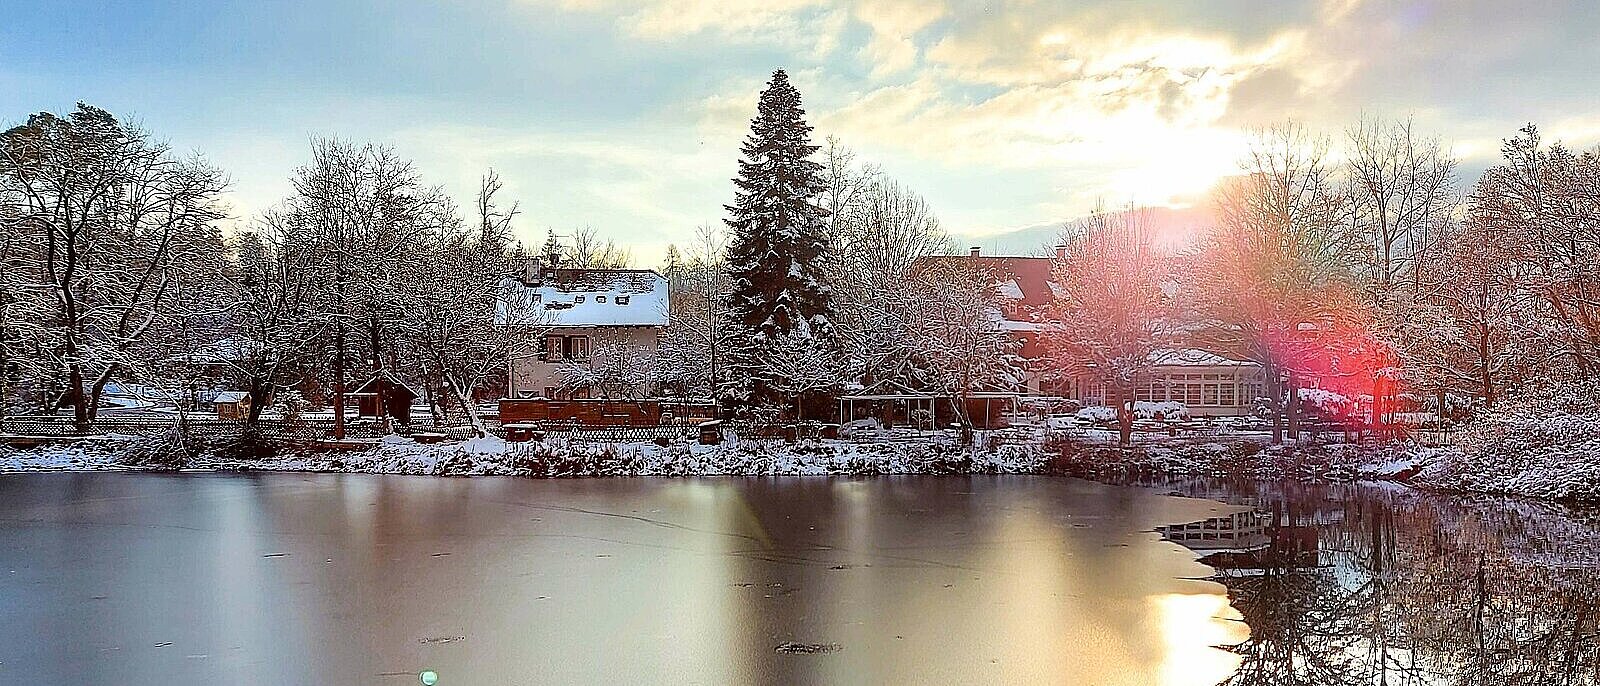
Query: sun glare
point(1190, 626)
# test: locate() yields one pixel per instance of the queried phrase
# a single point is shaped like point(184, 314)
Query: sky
point(626, 115)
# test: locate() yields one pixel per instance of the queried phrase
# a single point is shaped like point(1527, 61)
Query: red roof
point(1032, 274)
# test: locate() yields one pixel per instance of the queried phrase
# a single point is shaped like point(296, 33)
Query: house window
point(550, 392)
point(1210, 395)
point(550, 350)
point(622, 300)
point(599, 298)
point(1226, 398)
point(577, 347)
point(580, 393)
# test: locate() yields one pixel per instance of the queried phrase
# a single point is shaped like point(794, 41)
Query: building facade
point(1211, 385)
point(597, 331)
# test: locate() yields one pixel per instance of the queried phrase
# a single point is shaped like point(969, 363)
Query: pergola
point(890, 391)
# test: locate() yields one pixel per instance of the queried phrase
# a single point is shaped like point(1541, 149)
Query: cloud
point(1028, 112)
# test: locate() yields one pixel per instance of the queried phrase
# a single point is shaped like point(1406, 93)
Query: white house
point(582, 316)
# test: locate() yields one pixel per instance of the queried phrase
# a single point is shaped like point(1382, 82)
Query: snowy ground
point(562, 458)
point(1552, 458)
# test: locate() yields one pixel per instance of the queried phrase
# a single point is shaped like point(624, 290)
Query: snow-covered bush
point(1326, 403)
point(1098, 413)
point(1543, 443)
point(1170, 410)
point(1166, 409)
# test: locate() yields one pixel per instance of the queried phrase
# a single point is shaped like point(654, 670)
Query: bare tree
point(371, 218)
point(467, 319)
point(1548, 200)
point(588, 251)
point(1275, 262)
point(795, 364)
point(1475, 330)
point(617, 368)
point(273, 325)
point(107, 215)
point(1111, 320)
point(955, 323)
point(694, 345)
point(1401, 195)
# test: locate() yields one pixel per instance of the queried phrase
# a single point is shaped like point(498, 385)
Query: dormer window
point(578, 299)
point(599, 298)
point(622, 300)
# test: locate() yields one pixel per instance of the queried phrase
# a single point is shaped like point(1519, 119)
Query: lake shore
point(1245, 456)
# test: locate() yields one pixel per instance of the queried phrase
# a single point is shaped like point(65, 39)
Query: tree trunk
point(338, 383)
point(380, 384)
point(80, 411)
point(97, 389)
point(1124, 400)
point(1294, 408)
point(1275, 404)
point(464, 396)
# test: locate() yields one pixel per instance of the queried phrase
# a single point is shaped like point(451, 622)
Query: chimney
point(1061, 252)
point(531, 269)
point(975, 251)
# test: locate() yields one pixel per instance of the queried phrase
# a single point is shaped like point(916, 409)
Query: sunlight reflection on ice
point(1190, 625)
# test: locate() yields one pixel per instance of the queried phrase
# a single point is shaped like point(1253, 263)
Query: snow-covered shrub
point(1543, 443)
point(171, 449)
point(1166, 409)
point(1142, 409)
point(1098, 413)
point(1326, 403)
point(1456, 406)
point(289, 404)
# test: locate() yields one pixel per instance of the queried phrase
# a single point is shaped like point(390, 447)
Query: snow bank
point(102, 453)
point(1241, 458)
point(1544, 444)
point(563, 458)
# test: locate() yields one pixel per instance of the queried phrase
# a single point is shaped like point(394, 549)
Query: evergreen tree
point(779, 230)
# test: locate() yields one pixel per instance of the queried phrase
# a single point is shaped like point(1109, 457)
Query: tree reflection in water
point(1372, 584)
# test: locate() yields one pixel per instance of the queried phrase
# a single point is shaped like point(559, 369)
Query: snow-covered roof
point(1195, 357)
point(226, 397)
point(590, 297)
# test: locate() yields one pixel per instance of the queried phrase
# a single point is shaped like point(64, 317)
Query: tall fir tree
point(779, 230)
point(778, 225)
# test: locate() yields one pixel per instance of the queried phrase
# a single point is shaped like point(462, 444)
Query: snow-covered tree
point(775, 255)
point(372, 220)
point(795, 364)
point(1475, 329)
point(879, 229)
point(1402, 194)
point(102, 221)
point(954, 320)
point(273, 326)
point(466, 320)
point(1547, 200)
point(1276, 262)
point(1112, 319)
point(617, 369)
point(586, 250)
point(694, 346)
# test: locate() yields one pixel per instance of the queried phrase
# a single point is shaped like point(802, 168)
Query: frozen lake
point(117, 578)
